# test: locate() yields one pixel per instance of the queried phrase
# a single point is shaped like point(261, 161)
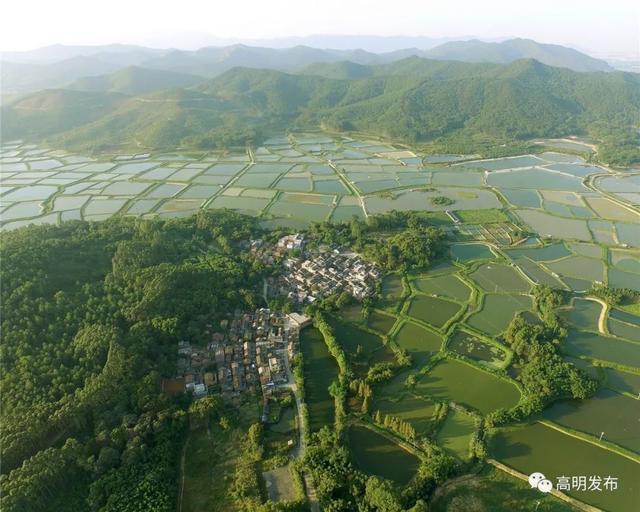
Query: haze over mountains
point(59, 66)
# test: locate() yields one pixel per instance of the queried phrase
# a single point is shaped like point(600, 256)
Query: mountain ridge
point(414, 100)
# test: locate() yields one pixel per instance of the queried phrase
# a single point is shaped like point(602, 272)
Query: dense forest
point(92, 313)
point(415, 100)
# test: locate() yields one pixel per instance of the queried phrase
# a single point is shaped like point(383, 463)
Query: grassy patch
point(496, 491)
point(488, 216)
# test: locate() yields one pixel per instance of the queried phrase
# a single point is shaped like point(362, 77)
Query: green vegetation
point(455, 434)
point(91, 342)
point(442, 201)
point(423, 100)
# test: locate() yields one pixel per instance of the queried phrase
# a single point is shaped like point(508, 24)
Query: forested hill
point(92, 313)
point(413, 100)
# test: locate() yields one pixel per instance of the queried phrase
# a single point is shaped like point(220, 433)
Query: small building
point(298, 320)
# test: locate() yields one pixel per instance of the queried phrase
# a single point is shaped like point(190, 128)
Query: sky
point(610, 27)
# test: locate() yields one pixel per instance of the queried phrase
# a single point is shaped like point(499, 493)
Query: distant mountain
point(515, 49)
point(411, 100)
point(53, 111)
point(60, 52)
point(135, 80)
point(343, 70)
point(29, 76)
point(59, 66)
point(212, 61)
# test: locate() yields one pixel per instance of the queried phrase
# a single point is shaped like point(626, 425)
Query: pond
point(432, 310)
point(505, 163)
point(416, 410)
point(447, 286)
point(624, 330)
point(469, 252)
point(374, 454)
point(99, 206)
point(606, 412)
point(32, 193)
point(353, 339)
point(456, 381)
point(498, 311)
point(622, 381)
point(477, 349)
point(495, 277)
point(419, 342)
point(535, 179)
point(537, 447)
point(550, 226)
point(522, 198)
point(320, 370)
point(346, 213)
point(380, 322)
point(330, 187)
point(584, 314)
point(602, 347)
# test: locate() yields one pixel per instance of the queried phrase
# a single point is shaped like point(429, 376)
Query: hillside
point(135, 80)
point(413, 100)
point(53, 111)
point(515, 49)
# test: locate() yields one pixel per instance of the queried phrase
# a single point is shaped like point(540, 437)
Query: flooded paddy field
point(452, 380)
point(359, 178)
point(498, 311)
point(610, 414)
point(375, 454)
point(419, 342)
point(537, 447)
point(320, 370)
point(475, 348)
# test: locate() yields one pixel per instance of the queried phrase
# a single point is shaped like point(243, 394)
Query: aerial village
point(250, 351)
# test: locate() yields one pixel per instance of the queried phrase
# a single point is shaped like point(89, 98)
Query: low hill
point(135, 80)
point(413, 100)
point(515, 49)
point(47, 112)
point(344, 70)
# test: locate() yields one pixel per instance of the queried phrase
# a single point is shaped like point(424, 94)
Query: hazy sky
point(601, 26)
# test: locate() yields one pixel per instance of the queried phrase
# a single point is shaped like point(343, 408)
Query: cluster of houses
point(249, 351)
point(311, 277)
